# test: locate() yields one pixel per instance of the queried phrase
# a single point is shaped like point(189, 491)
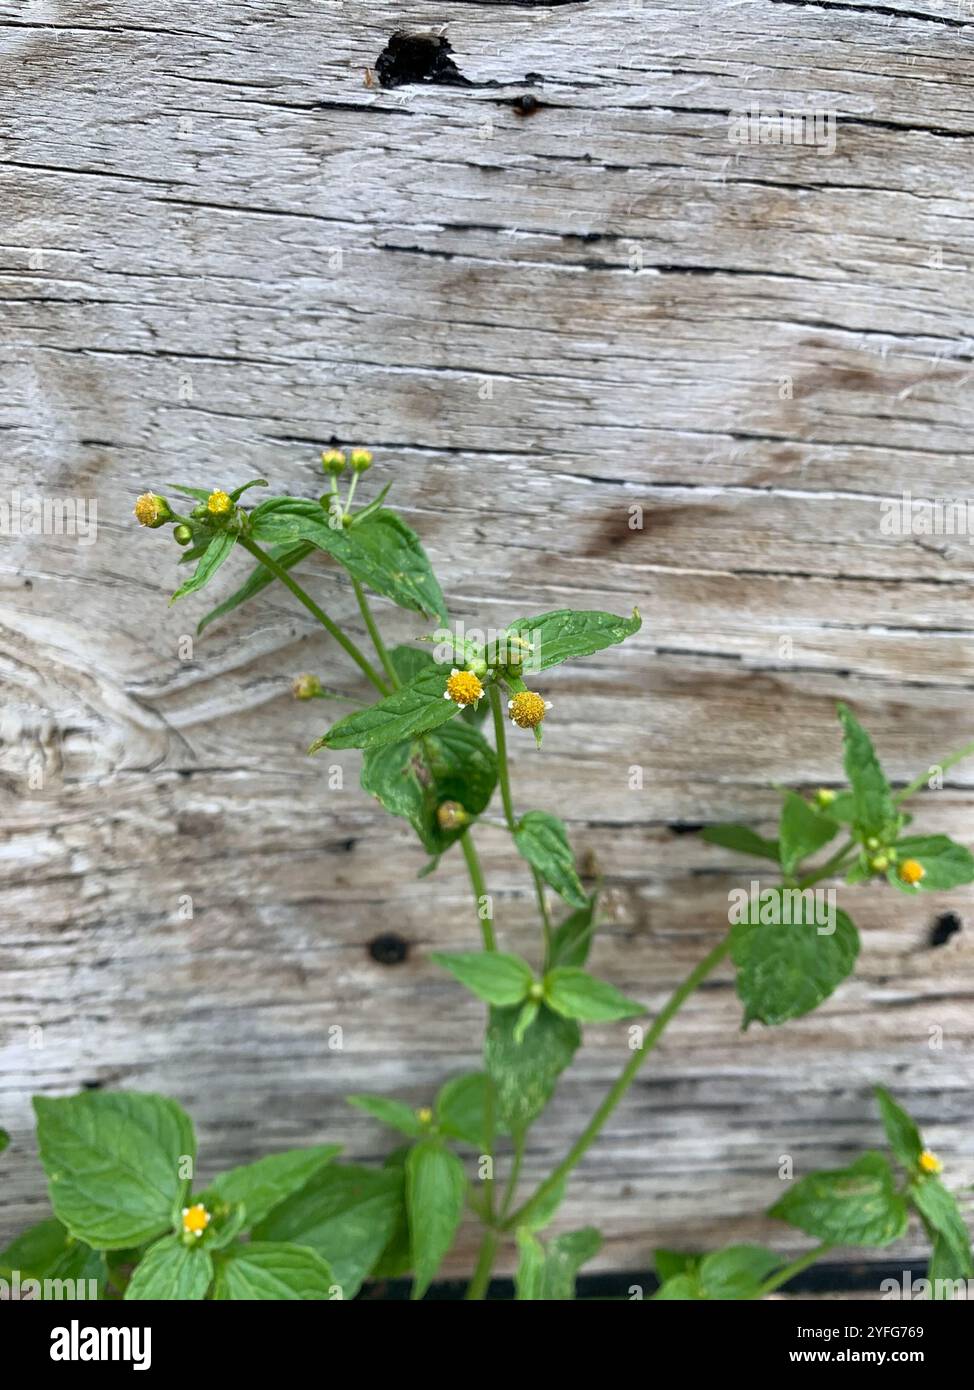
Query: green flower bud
point(182, 534)
point(333, 462)
point(305, 687)
point(361, 460)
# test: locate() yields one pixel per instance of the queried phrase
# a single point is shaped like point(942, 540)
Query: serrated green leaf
point(450, 766)
point(901, 1131)
point(48, 1253)
point(436, 1188)
point(418, 707)
point(346, 1213)
point(493, 976)
point(172, 1272)
point(543, 841)
point(571, 940)
point(682, 1287)
point(942, 1216)
point(742, 839)
point(575, 994)
point(549, 1274)
point(462, 1109)
point(213, 557)
point(801, 831)
point(525, 1073)
point(946, 864)
point(287, 556)
point(874, 811)
point(787, 967)
point(273, 1270)
point(261, 1186)
point(566, 633)
point(113, 1162)
point(394, 1113)
point(380, 551)
point(737, 1272)
point(858, 1205)
point(670, 1263)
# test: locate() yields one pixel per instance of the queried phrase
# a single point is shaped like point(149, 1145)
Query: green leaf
point(543, 841)
point(682, 1287)
point(287, 556)
point(942, 1217)
point(565, 633)
point(550, 1274)
point(414, 779)
point(273, 1270)
point(741, 838)
point(46, 1252)
point(394, 1113)
point(370, 508)
point(171, 1271)
point(947, 1273)
point(436, 1187)
point(575, 994)
point(346, 1213)
point(259, 1187)
point(380, 551)
point(4, 1140)
point(858, 1205)
point(418, 707)
point(199, 494)
point(901, 1131)
point(786, 966)
point(525, 1073)
point(113, 1162)
point(873, 807)
point(946, 864)
point(529, 1012)
point(571, 940)
point(737, 1272)
point(461, 1109)
point(238, 492)
point(541, 1209)
point(801, 831)
point(493, 976)
point(670, 1263)
point(213, 557)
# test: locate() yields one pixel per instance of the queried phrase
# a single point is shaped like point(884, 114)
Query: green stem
point(380, 647)
point(351, 493)
point(591, 1132)
point(830, 867)
point(545, 916)
point(789, 1271)
point(485, 1263)
point(513, 1176)
point(286, 579)
point(918, 782)
point(500, 742)
point(479, 888)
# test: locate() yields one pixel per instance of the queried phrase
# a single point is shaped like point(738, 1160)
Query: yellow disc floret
point(911, 871)
point(196, 1219)
point(463, 688)
point(219, 503)
point(152, 510)
point(527, 709)
point(930, 1163)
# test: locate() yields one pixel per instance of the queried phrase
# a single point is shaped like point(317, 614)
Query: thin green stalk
point(485, 1263)
point(545, 916)
point(830, 867)
point(331, 627)
point(500, 742)
point(513, 1176)
point(918, 781)
point(365, 609)
point(591, 1132)
point(783, 1275)
point(479, 888)
point(351, 493)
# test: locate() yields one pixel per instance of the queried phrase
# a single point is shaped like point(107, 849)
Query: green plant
point(120, 1166)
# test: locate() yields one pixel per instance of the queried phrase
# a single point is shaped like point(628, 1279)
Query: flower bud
point(305, 687)
point(451, 816)
point(152, 510)
point(825, 796)
point(182, 534)
point(361, 460)
point(333, 462)
point(879, 864)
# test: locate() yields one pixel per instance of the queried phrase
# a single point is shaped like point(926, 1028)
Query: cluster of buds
point(334, 462)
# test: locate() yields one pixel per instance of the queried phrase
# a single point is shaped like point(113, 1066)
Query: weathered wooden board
point(219, 249)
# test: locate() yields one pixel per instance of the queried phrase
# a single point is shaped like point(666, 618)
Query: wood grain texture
point(219, 250)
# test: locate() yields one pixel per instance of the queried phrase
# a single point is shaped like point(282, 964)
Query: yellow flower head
point(930, 1163)
point(152, 510)
point(424, 1115)
point(527, 709)
point(195, 1219)
point(219, 503)
point(333, 461)
point(305, 687)
point(463, 688)
point(361, 460)
point(911, 871)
